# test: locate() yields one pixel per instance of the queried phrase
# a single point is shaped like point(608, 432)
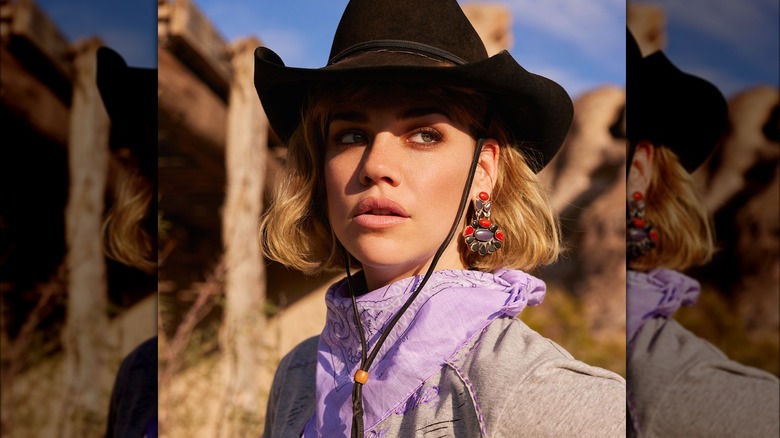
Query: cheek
point(451, 171)
point(336, 174)
point(442, 185)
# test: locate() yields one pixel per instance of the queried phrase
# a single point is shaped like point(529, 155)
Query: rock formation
point(493, 23)
point(648, 25)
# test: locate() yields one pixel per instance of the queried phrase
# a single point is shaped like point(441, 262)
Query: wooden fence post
point(86, 361)
point(243, 324)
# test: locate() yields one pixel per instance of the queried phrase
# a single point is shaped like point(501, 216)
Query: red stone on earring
point(639, 223)
point(481, 236)
point(637, 196)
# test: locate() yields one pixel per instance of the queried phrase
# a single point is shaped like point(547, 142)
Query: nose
point(381, 161)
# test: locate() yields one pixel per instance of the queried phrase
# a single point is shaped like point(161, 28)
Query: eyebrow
point(349, 116)
point(409, 113)
point(420, 112)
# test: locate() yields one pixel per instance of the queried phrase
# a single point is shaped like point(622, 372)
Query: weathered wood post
point(243, 324)
point(87, 351)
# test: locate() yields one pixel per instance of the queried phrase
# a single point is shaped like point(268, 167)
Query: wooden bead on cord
point(361, 376)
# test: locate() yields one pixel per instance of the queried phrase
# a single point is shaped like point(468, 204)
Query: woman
point(382, 163)
point(129, 95)
point(678, 384)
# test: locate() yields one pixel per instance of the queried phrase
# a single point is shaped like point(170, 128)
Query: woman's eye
point(425, 137)
point(351, 138)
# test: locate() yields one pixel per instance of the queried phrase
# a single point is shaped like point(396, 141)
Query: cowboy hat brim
point(536, 110)
point(674, 109)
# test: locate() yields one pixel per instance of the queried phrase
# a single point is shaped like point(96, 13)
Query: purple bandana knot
point(524, 290)
point(657, 293)
point(453, 307)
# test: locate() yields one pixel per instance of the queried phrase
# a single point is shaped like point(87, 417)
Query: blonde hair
point(295, 230)
point(675, 211)
point(126, 239)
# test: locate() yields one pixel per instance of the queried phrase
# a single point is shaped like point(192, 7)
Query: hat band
point(398, 44)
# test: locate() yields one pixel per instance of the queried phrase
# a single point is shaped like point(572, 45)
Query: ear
point(641, 171)
point(487, 168)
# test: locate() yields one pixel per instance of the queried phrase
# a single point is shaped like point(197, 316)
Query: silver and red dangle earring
point(482, 236)
point(641, 238)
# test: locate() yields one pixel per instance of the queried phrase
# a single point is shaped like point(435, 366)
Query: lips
point(379, 213)
point(380, 207)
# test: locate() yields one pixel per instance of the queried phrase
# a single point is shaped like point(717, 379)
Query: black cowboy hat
point(633, 57)
point(673, 109)
point(130, 97)
point(432, 41)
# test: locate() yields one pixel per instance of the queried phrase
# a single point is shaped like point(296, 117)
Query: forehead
point(364, 113)
point(455, 104)
point(386, 95)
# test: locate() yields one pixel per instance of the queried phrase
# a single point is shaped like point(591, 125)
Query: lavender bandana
point(657, 293)
point(453, 307)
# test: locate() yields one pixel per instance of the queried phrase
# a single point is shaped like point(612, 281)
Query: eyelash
point(337, 138)
point(435, 134)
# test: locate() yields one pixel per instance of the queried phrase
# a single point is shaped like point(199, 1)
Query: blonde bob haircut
point(676, 212)
point(126, 237)
point(295, 230)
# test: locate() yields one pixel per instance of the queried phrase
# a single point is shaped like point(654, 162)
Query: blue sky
point(549, 38)
point(733, 44)
point(129, 27)
point(578, 43)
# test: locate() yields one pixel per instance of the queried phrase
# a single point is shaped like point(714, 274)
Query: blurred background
point(737, 48)
point(69, 313)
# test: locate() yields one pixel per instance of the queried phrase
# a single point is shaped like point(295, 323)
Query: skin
point(413, 155)
point(641, 171)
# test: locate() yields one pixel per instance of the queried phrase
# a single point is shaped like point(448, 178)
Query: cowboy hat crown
point(129, 95)
point(673, 109)
point(431, 42)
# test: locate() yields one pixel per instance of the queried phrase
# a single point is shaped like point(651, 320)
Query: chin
point(402, 261)
point(390, 252)
point(375, 258)
point(381, 254)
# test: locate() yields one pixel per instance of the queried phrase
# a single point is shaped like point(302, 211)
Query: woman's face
point(394, 175)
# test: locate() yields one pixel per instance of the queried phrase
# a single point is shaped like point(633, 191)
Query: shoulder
point(523, 378)
point(666, 337)
point(134, 395)
point(305, 351)
point(508, 345)
point(138, 369)
point(676, 376)
point(300, 361)
point(664, 351)
point(144, 355)
point(292, 397)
